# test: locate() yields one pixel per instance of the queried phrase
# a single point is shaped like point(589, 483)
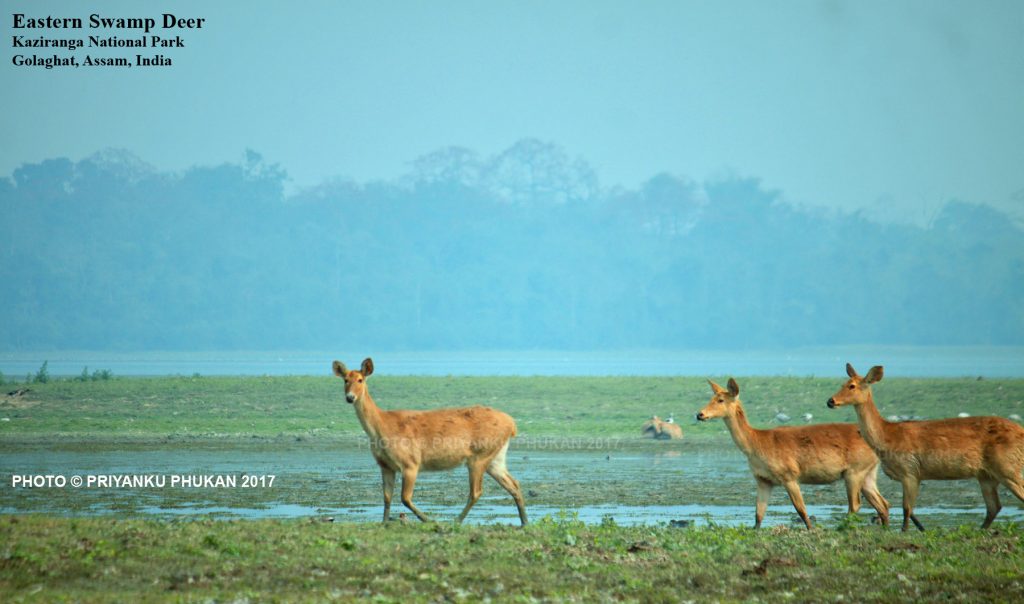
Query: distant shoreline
point(902, 361)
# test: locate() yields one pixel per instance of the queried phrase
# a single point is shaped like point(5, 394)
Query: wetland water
point(905, 361)
point(651, 483)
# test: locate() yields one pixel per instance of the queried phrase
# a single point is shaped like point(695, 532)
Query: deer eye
point(360, 380)
point(852, 386)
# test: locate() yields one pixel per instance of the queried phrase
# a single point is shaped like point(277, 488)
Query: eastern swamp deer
point(990, 449)
point(414, 441)
point(660, 429)
point(790, 455)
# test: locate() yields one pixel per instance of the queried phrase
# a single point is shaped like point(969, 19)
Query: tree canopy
point(521, 250)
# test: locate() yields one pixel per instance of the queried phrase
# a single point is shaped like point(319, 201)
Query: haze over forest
point(523, 249)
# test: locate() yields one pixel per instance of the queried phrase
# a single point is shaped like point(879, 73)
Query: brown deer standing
point(788, 456)
point(414, 441)
point(990, 449)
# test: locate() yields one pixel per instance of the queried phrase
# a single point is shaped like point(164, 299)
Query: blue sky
point(890, 107)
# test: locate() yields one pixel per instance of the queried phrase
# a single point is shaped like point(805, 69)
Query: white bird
point(808, 417)
point(963, 414)
point(893, 418)
point(1015, 417)
point(781, 417)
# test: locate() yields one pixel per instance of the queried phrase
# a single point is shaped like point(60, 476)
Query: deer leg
point(990, 491)
point(764, 492)
point(1016, 487)
point(408, 484)
point(793, 488)
point(870, 490)
point(911, 486)
point(387, 476)
point(476, 487)
point(512, 486)
point(853, 486)
point(499, 472)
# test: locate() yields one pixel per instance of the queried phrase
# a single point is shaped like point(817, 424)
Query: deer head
point(857, 389)
point(723, 401)
point(355, 381)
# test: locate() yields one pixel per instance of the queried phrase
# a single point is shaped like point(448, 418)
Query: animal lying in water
point(660, 429)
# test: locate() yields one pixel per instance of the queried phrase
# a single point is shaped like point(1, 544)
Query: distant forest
point(519, 250)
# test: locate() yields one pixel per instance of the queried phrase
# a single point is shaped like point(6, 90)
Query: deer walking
point(792, 455)
point(989, 449)
point(413, 441)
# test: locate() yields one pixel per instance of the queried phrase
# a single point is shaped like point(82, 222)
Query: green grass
point(121, 558)
point(219, 408)
point(92, 559)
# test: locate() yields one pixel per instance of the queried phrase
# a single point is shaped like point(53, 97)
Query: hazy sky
point(891, 106)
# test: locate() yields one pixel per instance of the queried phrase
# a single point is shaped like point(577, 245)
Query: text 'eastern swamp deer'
point(414, 441)
point(790, 455)
point(990, 449)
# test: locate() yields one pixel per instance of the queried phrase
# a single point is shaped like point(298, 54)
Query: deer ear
point(367, 368)
point(850, 371)
point(339, 368)
point(715, 387)
point(875, 374)
point(734, 388)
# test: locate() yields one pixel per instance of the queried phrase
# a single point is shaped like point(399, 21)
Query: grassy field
point(225, 408)
point(89, 559)
point(128, 557)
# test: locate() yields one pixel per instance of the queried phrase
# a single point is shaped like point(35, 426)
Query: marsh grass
point(312, 408)
point(122, 558)
point(89, 559)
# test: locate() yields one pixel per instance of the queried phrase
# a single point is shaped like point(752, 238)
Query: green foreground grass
point(313, 408)
point(103, 559)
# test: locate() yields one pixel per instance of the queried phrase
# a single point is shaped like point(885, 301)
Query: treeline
point(521, 250)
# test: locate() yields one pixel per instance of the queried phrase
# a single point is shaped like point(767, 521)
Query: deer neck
point(742, 433)
point(369, 415)
point(872, 426)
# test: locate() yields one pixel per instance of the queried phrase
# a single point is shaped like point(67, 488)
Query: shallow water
point(905, 361)
point(624, 515)
point(651, 484)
